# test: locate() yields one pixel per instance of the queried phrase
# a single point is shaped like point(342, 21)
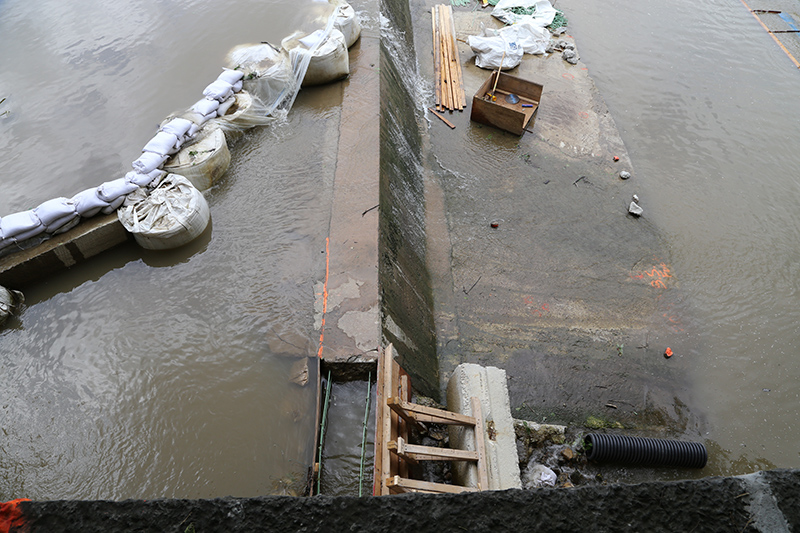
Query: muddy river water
point(167, 375)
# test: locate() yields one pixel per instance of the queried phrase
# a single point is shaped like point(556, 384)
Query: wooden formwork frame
point(393, 455)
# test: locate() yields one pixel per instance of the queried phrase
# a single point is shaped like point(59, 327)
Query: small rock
point(568, 454)
point(570, 57)
point(635, 209)
point(635, 198)
point(299, 372)
point(495, 225)
point(565, 45)
point(550, 48)
point(625, 175)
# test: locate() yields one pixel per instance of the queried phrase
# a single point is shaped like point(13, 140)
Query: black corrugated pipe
point(644, 451)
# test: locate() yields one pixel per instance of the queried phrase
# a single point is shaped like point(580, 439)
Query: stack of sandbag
point(10, 303)
point(19, 227)
point(58, 215)
point(347, 23)
point(173, 214)
point(329, 60)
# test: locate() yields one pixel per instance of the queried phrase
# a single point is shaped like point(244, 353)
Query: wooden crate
point(513, 118)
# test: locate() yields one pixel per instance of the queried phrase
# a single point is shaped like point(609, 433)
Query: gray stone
point(635, 209)
point(537, 476)
point(625, 175)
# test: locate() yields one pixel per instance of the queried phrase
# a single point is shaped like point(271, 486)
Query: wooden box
point(514, 118)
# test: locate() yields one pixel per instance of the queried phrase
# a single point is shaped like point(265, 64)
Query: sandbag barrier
point(258, 85)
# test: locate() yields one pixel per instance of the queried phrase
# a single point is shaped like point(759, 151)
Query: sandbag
point(177, 126)
point(20, 224)
point(57, 208)
point(171, 215)
point(491, 49)
point(330, 62)
point(10, 302)
point(231, 76)
point(87, 203)
point(204, 162)
point(143, 180)
point(205, 107)
point(111, 190)
point(113, 206)
point(148, 162)
point(218, 90)
point(163, 143)
point(63, 224)
point(268, 73)
point(225, 105)
point(347, 23)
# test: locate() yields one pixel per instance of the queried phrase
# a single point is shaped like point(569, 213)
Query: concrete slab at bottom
point(488, 384)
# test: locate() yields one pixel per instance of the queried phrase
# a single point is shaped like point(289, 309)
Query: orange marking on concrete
point(324, 295)
point(11, 516)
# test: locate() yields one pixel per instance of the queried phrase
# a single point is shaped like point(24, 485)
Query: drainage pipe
point(645, 451)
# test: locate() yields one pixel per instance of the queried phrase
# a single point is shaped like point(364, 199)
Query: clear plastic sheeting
point(267, 73)
point(10, 303)
point(174, 213)
point(204, 162)
point(329, 59)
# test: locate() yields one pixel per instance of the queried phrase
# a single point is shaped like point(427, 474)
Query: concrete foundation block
point(488, 384)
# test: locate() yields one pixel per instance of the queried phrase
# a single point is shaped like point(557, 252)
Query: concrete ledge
point(710, 504)
point(86, 240)
point(488, 384)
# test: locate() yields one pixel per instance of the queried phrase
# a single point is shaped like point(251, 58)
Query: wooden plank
point(461, 101)
point(422, 413)
point(412, 485)
point(480, 444)
point(441, 117)
point(436, 64)
point(389, 417)
point(399, 423)
point(380, 405)
point(430, 453)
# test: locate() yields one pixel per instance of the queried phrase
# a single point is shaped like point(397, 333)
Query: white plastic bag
point(171, 215)
point(491, 49)
point(543, 16)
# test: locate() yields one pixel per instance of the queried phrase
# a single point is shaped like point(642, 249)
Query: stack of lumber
point(446, 65)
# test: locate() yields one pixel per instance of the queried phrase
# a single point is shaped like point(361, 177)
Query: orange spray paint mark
point(11, 515)
point(324, 296)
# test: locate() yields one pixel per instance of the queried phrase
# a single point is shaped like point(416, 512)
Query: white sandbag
point(330, 62)
point(111, 190)
point(30, 234)
point(205, 161)
point(148, 162)
point(177, 126)
point(491, 49)
point(218, 90)
point(268, 72)
point(10, 301)
point(231, 76)
point(163, 143)
point(224, 106)
point(347, 23)
point(113, 206)
point(143, 180)
point(5, 243)
point(63, 224)
point(55, 209)
point(237, 86)
point(171, 215)
point(205, 107)
point(543, 16)
point(20, 224)
point(87, 203)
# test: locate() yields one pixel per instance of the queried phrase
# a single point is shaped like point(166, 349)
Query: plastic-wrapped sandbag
point(143, 180)
point(347, 23)
point(163, 143)
point(246, 112)
point(171, 215)
point(542, 16)
point(491, 49)
point(10, 302)
point(87, 203)
point(21, 226)
point(148, 162)
point(56, 209)
point(268, 73)
point(329, 61)
point(63, 224)
point(205, 161)
point(218, 90)
point(111, 190)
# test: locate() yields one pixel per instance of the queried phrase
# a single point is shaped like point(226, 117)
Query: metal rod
point(322, 432)
point(364, 436)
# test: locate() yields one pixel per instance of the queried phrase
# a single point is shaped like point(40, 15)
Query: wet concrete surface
point(763, 501)
point(569, 293)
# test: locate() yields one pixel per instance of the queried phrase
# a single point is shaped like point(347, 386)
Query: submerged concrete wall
point(407, 299)
point(765, 501)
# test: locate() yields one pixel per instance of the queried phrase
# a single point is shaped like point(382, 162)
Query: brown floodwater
point(160, 374)
point(707, 105)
